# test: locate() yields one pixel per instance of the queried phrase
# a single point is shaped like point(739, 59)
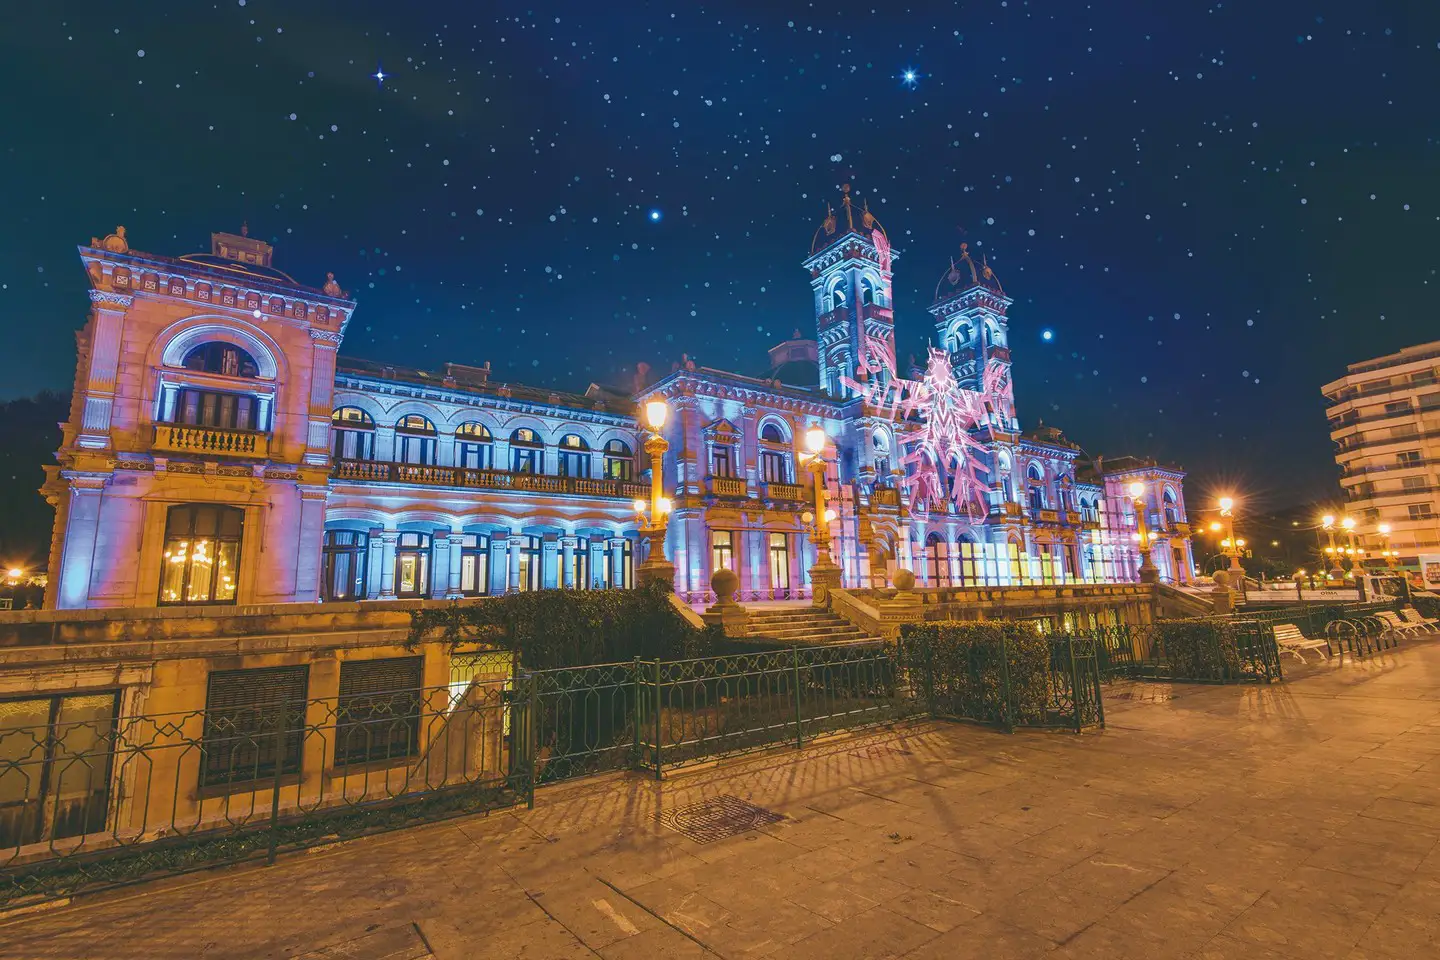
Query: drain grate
point(718, 818)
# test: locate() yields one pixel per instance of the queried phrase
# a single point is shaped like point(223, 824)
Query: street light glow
point(815, 440)
point(1137, 489)
point(655, 413)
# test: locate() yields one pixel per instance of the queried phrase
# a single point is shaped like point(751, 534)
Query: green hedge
point(1428, 606)
point(567, 628)
point(996, 671)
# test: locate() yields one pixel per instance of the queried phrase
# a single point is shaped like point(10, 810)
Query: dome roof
point(848, 220)
point(965, 273)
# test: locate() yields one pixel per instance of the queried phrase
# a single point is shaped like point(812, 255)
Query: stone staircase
point(802, 625)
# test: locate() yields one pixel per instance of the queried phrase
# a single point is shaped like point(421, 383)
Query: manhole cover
point(718, 818)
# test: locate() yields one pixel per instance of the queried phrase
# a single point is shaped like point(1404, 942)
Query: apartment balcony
point(1355, 495)
point(210, 441)
point(378, 471)
point(787, 492)
point(731, 488)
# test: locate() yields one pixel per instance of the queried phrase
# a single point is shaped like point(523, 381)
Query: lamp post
point(1392, 557)
point(1332, 552)
point(1348, 524)
point(1237, 572)
point(1148, 572)
point(655, 567)
point(824, 575)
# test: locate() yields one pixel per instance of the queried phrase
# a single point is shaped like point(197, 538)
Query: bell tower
point(850, 272)
point(971, 324)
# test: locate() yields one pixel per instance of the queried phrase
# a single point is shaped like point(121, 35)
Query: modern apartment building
point(1385, 421)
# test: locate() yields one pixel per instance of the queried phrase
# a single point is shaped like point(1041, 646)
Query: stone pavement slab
point(1287, 822)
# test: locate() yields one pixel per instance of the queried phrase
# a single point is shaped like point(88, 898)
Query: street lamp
point(1227, 511)
point(1392, 557)
point(655, 567)
point(1327, 523)
point(824, 574)
point(1148, 572)
point(1348, 523)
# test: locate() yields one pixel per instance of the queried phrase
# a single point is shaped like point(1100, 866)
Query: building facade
point(1385, 421)
point(218, 452)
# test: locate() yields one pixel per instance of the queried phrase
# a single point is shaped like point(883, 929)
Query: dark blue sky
point(1213, 206)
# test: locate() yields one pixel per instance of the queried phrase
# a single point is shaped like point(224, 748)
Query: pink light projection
point(937, 416)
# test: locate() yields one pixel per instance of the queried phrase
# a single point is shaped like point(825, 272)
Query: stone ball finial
point(904, 579)
point(1221, 578)
point(724, 582)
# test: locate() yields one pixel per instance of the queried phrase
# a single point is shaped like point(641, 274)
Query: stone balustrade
point(787, 492)
point(733, 487)
point(210, 441)
point(430, 475)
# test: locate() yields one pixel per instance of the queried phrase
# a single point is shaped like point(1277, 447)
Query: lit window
point(201, 559)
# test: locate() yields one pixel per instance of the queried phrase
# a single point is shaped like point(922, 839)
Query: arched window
point(414, 439)
point(474, 446)
point(1037, 487)
point(352, 434)
point(881, 445)
point(774, 460)
point(837, 295)
point(574, 456)
point(867, 291)
point(963, 338)
point(223, 358)
point(1172, 510)
point(201, 559)
point(527, 453)
point(343, 561)
point(619, 460)
point(412, 565)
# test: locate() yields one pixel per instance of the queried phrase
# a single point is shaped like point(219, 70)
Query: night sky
point(1214, 207)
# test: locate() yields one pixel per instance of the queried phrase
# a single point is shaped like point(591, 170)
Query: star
point(379, 75)
point(655, 216)
point(910, 78)
point(1047, 334)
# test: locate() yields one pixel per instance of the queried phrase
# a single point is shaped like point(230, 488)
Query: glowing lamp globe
point(807, 516)
point(14, 573)
point(829, 516)
point(1226, 503)
point(639, 506)
point(1348, 523)
point(665, 505)
point(655, 414)
point(815, 440)
point(1214, 526)
point(1137, 489)
point(1384, 529)
point(1327, 521)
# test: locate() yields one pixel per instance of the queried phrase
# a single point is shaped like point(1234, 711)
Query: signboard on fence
point(1430, 571)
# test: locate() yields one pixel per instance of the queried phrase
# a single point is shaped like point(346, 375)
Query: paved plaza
point(1294, 821)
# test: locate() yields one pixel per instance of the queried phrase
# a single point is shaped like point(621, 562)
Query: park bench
point(1419, 619)
point(1394, 624)
point(1290, 640)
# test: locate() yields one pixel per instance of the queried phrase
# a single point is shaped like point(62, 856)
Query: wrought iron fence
point(92, 798)
point(1210, 650)
point(1312, 618)
point(105, 800)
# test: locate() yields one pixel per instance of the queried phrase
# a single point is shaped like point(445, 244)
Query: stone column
point(107, 320)
point(374, 563)
point(441, 562)
point(385, 442)
point(513, 574)
point(324, 344)
point(497, 574)
point(549, 569)
point(567, 563)
point(617, 560)
point(388, 539)
point(81, 529)
point(457, 543)
point(310, 538)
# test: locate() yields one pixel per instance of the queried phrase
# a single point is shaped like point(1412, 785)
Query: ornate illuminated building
point(218, 452)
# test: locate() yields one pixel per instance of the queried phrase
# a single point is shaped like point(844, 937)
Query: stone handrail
point(861, 614)
point(379, 471)
point(730, 487)
point(790, 492)
point(217, 441)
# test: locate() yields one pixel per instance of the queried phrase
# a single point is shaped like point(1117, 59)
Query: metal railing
point(116, 799)
point(1210, 650)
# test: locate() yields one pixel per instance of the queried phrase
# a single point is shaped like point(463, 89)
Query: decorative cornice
point(325, 336)
point(111, 299)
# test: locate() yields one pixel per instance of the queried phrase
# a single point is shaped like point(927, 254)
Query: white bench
point(1289, 639)
point(1394, 624)
point(1419, 619)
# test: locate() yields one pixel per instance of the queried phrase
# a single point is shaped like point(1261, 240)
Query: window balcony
point(429, 475)
point(1007, 509)
point(787, 492)
point(210, 441)
point(734, 488)
point(885, 497)
point(1050, 518)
